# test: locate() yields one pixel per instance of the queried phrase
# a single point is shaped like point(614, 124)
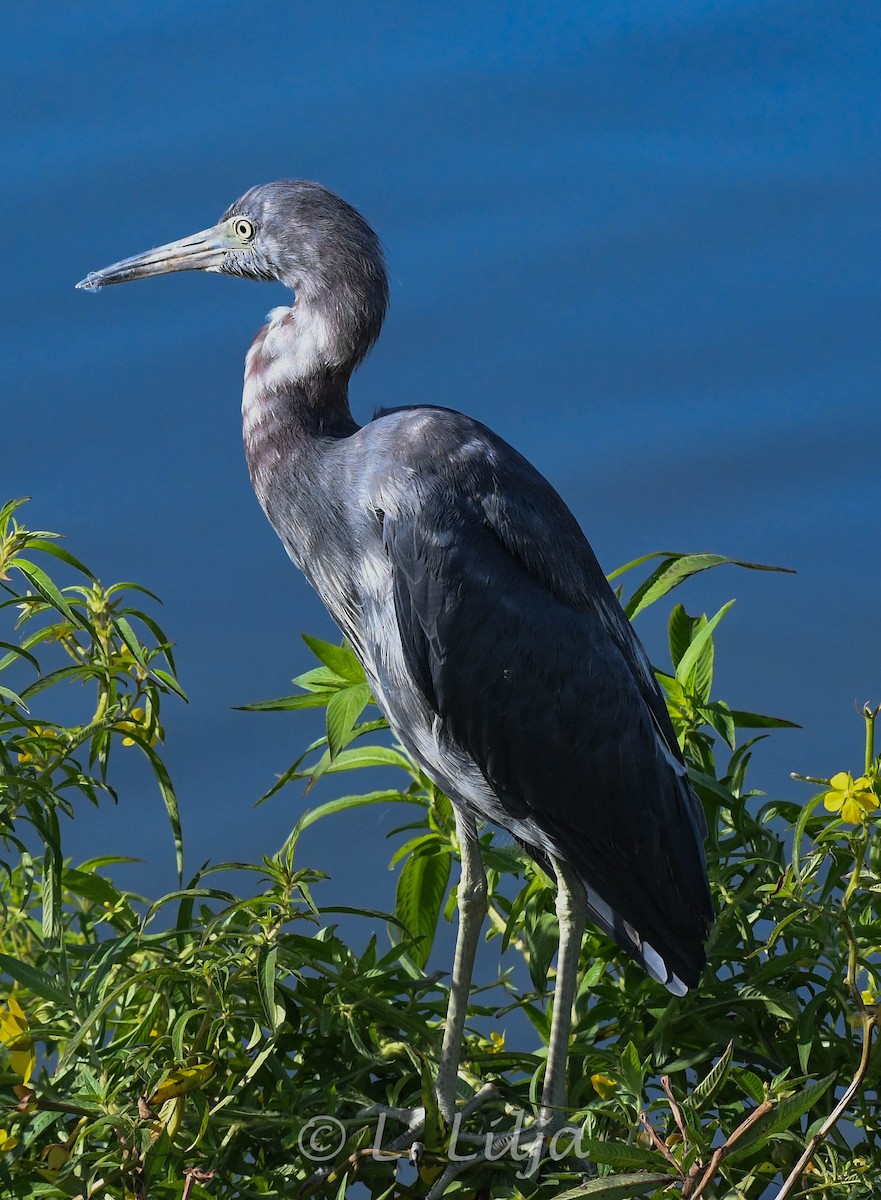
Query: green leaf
point(358, 756)
point(806, 1028)
point(346, 802)
point(90, 886)
point(170, 682)
point(340, 659)
point(680, 631)
point(675, 569)
point(288, 703)
point(775, 1000)
point(420, 894)
point(718, 716)
point(167, 792)
point(134, 646)
point(750, 1083)
point(266, 960)
point(38, 543)
point(617, 1187)
point(632, 1073)
point(343, 710)
point(51, 890)
point(614, 1154)
point(33, 979)
point(43, 585)
point(687, 668)
point(748, 720)
point(541, 933)
point(712, 1081)
point(783, 1116)
point(321, 679)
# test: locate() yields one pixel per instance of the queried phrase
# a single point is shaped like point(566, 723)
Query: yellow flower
point(603, 1086)
point(35, 753)
point(16, 1036)
point(137, 723)
point(498, 1041)
point(853, 798)
point(7, 1141)
point(869, 996)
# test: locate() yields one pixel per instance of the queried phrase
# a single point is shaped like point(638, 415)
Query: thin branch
point(689, 1193)
point(659, 1143)
point(822, 1133)
point(675, 1109)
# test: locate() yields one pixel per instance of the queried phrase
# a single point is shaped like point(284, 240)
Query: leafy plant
point(207, 1043)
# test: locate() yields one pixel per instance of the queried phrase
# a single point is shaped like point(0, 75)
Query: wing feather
point(515, 639)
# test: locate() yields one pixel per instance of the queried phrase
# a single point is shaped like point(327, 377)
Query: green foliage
point(215, 1044)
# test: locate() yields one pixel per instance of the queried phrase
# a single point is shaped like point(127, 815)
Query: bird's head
point(297, 233)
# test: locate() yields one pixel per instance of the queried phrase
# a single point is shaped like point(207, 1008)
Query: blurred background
point(640, 240)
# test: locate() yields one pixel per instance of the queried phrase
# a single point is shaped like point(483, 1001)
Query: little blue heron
point(487, 630)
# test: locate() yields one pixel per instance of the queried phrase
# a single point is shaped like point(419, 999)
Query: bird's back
point(506, 667)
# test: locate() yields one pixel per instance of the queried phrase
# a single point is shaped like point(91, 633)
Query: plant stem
point(854, 1086)
point(870, 714)
point(691, 1192)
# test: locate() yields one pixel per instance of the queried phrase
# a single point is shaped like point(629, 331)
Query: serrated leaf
point(343, 710)
point(680, 631)
point(321, 679)
point(687, 668)
point(339, 659)
point(712, 1081)
point(422, 886)
point(718, 715)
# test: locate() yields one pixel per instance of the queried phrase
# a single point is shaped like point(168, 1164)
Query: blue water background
point(640, 240)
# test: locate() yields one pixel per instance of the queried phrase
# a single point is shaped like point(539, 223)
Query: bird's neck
point(296, 396)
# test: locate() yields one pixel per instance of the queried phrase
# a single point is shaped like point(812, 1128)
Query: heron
point(489, 634)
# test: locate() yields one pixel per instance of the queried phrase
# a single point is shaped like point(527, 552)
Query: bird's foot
point(525, 1145)
point(416, 1120)
point(458, 1148)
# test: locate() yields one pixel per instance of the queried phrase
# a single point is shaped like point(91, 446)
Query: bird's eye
point(244, 229)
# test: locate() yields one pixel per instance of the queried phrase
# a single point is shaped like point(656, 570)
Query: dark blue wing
point(519, 645)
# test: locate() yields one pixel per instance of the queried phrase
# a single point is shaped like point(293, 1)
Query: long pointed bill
point(203, 251)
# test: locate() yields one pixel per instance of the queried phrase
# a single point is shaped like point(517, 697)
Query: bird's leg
point(572, 916)
point(472, 911)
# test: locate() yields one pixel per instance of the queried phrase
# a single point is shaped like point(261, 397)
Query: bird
point(487, 630)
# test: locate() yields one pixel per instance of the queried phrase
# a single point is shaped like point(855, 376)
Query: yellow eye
point(244, 229)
